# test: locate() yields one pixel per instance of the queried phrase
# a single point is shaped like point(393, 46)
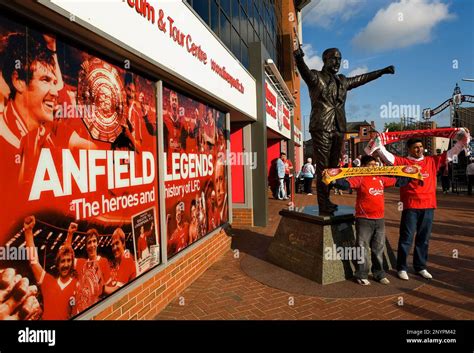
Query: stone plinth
point(304, 239)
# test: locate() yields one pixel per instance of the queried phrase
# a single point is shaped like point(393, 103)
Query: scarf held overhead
point(386, 138)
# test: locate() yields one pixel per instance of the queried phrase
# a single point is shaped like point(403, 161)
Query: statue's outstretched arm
point(360, 80)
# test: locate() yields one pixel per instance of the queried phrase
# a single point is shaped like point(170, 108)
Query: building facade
point(132, 144)
point(261, 35)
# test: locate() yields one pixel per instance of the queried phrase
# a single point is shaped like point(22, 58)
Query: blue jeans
point(421, 222)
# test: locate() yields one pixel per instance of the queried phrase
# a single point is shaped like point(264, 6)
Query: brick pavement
point(225, 292)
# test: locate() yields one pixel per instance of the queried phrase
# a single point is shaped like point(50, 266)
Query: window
point(225, 6)
point(243, 29)
point(225, 29)
point(202, 8)
point(244, 5)
point(236, 15)
point(214, 17)
point(235, 43)
point(364, 131)
point(245, 55)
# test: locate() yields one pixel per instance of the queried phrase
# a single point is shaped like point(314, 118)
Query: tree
point(393, 126)
point(399, 126)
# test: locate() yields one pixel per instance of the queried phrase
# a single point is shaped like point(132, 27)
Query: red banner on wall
point(195, 171)
point(79, 176)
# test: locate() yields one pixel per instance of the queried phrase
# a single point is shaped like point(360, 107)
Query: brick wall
point(149, 298)
point(242, 217)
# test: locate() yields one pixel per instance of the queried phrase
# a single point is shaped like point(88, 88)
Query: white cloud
point(325, 12)
point(311, 58)
point(402, 24)
point(358, 71)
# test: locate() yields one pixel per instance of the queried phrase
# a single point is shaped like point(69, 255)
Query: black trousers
point(470, 183)
point(445, 182)
point(327, 147)
point(307, 185)
point(288, 185)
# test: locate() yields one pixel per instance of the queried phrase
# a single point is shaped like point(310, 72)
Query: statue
point(327, 125)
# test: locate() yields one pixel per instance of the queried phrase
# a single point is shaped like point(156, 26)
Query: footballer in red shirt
point(172, 126)
point(419, 201)
point(58, 293)
point(142, 243)
point(92, 273)
point(180, 236)
point(123, 268)
point(207, 129)
point(191, 131)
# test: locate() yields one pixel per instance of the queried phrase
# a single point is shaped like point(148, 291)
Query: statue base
point(311, 245)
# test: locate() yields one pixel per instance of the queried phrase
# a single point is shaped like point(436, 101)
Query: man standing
point(470, 176)
point(143, 251)
point(280, 167)
point(327, 126)
point(288, 175)
point(308, 175)
point(419, 201)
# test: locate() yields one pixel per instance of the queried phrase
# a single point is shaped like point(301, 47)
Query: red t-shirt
point(174, 133)
point(288, 164)
point(415, 195)
point(57, 297)
point(142, 244)
point(209, 129)
point(125, 271)
point(370, 201)
point(179, 239)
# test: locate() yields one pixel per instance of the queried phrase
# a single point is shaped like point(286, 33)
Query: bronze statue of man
point(327, 126)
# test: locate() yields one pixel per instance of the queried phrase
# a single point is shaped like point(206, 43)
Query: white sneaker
point(310, 194)
point(363, 282)
point(403, 275)
point(425, 274)
point(384, 281)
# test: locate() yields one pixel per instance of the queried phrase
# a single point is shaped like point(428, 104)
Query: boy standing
point(370, 223)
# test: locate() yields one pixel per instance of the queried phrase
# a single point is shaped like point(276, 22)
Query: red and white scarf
point(386, 138)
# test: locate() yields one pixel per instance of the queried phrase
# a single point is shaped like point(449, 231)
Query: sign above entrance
point(170, 35)
point(278, 113)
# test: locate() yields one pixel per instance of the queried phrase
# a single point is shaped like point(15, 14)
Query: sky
point(430, 43)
